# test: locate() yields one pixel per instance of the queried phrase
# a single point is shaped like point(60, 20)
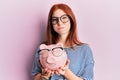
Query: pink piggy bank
point(52, 56)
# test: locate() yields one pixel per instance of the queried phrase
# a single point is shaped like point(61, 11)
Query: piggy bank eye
point(44, 52)
point(57, 51)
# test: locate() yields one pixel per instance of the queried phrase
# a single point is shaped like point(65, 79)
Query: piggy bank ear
point(59, 44)
point(43, 46)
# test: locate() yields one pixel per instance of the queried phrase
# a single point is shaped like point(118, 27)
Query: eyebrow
point(57, 17)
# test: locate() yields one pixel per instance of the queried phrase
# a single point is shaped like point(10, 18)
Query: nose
point(59, 21)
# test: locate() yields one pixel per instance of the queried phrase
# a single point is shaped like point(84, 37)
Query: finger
point(56, 72)
point(49, 72)
point(63, 67)
point(44, 70)
point(52, 72)
point(60, 71)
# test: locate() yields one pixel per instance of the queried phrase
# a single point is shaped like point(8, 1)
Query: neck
point(63, 39)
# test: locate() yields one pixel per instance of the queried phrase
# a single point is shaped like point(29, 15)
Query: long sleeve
point(88, 71)
point(36, 67)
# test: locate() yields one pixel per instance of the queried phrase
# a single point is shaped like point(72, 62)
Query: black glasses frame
point(51, 50)
point(60, 18)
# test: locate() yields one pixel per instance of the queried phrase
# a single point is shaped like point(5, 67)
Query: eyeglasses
point(57, 51)
point(64, 18)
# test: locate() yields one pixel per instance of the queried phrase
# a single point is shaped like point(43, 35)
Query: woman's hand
point(46, 73)
point(63, 69)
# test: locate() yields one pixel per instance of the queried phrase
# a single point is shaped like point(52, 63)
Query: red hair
point(52, 36)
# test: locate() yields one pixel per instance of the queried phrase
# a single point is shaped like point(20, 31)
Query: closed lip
point(60, 28)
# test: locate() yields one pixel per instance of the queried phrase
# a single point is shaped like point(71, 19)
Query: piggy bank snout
point(50, 59)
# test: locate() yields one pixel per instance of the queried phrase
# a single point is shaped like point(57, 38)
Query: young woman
point(61, 28)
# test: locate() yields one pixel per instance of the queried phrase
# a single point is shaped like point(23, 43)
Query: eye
point(64, 17)
point(54, 19)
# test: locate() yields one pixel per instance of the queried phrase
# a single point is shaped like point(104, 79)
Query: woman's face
point(61, 22)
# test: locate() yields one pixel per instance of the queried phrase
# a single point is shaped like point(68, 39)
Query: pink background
point(23, 24)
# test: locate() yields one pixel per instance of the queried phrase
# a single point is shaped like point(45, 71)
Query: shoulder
point(83, 47)
point(80, 49)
